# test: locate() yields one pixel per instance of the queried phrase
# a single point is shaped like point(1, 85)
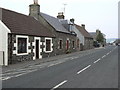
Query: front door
point(67, 45)
point(37, 49)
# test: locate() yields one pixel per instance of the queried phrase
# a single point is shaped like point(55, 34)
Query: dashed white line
point(107, 53)
point(103, 56)
point(83, 69)
point(110, 51)
point(59, 85)
point(97, 60)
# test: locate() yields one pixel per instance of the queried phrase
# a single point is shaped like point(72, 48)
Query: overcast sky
point(95, 14)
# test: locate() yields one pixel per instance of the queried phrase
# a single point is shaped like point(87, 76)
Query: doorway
point(67, 45)
point(37, 49)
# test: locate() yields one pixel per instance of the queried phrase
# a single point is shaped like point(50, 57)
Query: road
point(97, 69)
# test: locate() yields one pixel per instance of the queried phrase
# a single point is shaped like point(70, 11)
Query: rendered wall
point(4, 41)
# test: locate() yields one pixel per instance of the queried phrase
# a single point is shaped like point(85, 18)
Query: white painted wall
point(1, 58)
point(34, 50)
point(79, 35)
point(4, 41)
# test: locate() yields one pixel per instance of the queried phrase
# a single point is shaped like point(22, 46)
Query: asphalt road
point(98, 69)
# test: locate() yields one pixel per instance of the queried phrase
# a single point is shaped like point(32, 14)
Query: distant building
point(94, 35)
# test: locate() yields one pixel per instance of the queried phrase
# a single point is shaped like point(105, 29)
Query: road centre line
point(83, 69)
point(107, 53)
point(97, 60)
point(103, 56)
point(59, 85)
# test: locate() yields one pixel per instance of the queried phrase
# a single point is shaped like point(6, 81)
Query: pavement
point(96, 68)
point(26, 64)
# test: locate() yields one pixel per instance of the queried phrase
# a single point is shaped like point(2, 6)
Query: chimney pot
point(35, 1)
point(83, 25)
point(60, 15)
point(72, 20)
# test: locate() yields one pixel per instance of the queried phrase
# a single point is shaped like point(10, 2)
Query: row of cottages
point(85, 40)
point(37, 36)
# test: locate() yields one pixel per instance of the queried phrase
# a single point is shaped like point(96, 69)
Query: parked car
point(96, 44)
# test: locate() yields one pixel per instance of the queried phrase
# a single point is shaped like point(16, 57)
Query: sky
point(95, 14)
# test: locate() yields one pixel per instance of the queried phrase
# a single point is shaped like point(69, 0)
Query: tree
point(99, 37)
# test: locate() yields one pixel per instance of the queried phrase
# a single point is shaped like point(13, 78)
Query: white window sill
point(48, 51)
point(22, 54)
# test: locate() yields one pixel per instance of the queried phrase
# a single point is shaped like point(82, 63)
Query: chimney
point(60, 15)
point(34, 10)
point(83, 25)
point(72, 20)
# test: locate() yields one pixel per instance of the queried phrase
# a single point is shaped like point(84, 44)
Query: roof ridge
point(14, 12)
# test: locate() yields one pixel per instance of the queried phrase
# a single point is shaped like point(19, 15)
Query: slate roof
point(55, 23)
point(65, 23)
point(23, 24)
point(93, 34)
point(83, 31)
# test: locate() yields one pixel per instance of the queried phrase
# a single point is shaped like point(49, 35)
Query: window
point(22, 45)
point(60, 43)
point(48, 45)
point(73, 43)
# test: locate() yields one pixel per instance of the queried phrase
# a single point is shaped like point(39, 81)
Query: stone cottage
point(70, 25)
point(87, 42)
point(32, 37)
point(84, 41)
point(65, 41)
point(23, 38)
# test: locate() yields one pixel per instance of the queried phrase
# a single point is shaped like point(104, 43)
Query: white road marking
point(97, 60)
point(55, 63)
point(74, 58)
point(51, 65)
point(9, 77)
point(6, 78)
point(107, 53)
point(13, 73)
point(19, 75)
point(103, 56)
point(83, 69)
point(59, 85)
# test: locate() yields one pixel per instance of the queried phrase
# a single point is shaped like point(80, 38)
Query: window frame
point(73, 44)
point(51, 49)
point(17, 37)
